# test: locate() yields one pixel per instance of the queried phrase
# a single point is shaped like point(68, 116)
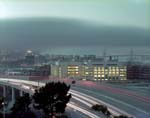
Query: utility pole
point(131, 56)
point(104, 63)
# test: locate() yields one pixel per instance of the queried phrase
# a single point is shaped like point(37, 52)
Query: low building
point(29, 58)
point(90, 70)
point(138, 71)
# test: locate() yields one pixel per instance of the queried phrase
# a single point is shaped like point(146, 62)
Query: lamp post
point(3, 103)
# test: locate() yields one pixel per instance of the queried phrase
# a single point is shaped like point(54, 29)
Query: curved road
point(132, 102)
point(118, 100)
point(78, 110)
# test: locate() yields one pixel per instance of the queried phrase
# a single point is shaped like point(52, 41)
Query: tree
point(21, 106)
point(62, 116)
point(101, 108)
point(52, 98)
point(122, 116)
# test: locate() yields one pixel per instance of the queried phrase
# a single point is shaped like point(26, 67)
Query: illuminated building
point(109, 72)
point(89, 70)
point(73, 71)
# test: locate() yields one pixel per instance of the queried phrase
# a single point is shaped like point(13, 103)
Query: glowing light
point(29, 51)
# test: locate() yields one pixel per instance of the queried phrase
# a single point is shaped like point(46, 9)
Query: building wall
point(54, 70)
point(89, 71)
point(109, 72)
point(138, 72)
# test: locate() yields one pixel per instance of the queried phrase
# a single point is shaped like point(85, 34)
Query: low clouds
point(46, 33)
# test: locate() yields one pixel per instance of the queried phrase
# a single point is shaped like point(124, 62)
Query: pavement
point(129, 101)
point(116, 97)
point(130, 98)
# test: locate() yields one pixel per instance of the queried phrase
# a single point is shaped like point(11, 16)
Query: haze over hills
point(58, 35)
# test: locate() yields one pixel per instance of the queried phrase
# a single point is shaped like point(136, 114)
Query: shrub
point(101, 108)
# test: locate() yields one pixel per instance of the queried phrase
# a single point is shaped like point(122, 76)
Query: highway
point(87, 93)
point(131, 102)
point(78, 110)
point(136, 103)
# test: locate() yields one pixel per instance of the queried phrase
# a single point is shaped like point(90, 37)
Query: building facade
point(138, 72)
point(90, 70)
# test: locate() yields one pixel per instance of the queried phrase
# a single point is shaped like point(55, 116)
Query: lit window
point(122, 75)
point(95, 69)
point(77, 69)
point(103, 75)
point(95, 75)
point(95, 72)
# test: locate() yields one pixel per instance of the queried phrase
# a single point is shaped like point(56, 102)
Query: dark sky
point(47, 33)
point(69, 26)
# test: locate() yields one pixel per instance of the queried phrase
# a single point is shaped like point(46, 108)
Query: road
point(128, 101)
point(118, 100)
point(136, 103)
point(78, 110)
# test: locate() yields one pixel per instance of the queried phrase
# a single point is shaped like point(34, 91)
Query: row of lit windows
point(113, 68)
point(110, 67)
point(110, 70)
point(98, 79)
point(112, 74)
point(99, 71)
point(73, 67)
point(106, 72)
point(99, 76)
point(108, 78)
point(73, 72)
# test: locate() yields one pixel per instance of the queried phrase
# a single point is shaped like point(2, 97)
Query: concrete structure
point(81, 98)
point(29, 58)
point(91, 67)
point(89, 70)
point(139, 72)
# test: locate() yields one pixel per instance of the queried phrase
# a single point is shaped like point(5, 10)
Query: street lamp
point(3, 105)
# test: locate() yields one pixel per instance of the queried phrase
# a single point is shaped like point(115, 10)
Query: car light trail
point(91, 115)
point(82, 101)
point(73, 106)
point(114, 110)
point(81, 97)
